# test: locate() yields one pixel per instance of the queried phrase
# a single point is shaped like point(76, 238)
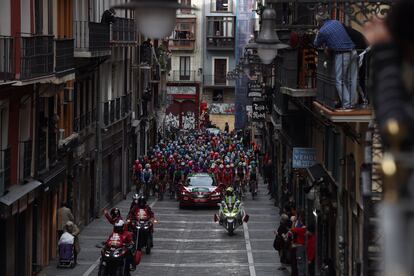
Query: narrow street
point(188, 242)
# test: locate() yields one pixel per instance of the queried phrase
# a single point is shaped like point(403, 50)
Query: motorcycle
point(113, 261)
point(232, 217)
point(143, 235)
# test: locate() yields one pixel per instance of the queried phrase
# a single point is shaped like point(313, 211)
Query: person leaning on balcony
point(108, 16)
point(333, 36)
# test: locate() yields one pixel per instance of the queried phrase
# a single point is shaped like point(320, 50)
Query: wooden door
point(220, 71)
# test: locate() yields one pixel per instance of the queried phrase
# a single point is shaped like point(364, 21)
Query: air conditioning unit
point(68, 95)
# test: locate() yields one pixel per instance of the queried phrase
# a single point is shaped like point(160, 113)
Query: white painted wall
point(5, 20)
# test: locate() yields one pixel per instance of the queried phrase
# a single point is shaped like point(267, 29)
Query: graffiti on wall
point(188, 119)
point(171, 122)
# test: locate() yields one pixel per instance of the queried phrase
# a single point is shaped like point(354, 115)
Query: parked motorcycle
point(232, 217)
point(143, 235)
point(113, 261)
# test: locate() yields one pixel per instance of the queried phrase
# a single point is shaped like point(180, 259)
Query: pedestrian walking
point(226, 127)
point(63, 216)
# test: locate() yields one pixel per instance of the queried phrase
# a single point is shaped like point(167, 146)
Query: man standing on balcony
point(333, 36)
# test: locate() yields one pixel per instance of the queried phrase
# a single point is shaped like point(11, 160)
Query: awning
point(318, 171)
point(54, 176)
point(18, 191)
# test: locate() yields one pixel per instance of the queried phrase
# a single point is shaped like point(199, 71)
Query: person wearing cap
point(333, 36)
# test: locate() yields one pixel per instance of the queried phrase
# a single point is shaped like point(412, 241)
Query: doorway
point(220, 71)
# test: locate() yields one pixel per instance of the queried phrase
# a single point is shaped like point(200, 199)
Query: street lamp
point(268, 41)
point(155, 18)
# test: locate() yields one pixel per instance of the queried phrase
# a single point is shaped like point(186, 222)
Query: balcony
point(181, 44)
point(297, 78)
point(123, 31)
point(64, 58)
point(37, 56)
point(328, 98)
point(220, 43)
point(183, 76)
point(217, 81)
point(6, 59)
point(91, 39)
point(5, 155)
point(183, 37)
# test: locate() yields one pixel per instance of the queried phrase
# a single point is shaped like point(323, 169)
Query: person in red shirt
point(310, 249)
point(114, 216)
point(122, 238)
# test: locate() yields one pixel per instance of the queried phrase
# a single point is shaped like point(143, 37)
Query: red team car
point(200, 190)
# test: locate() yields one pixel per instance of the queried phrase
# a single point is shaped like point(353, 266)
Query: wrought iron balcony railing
point(334, 91)
point(295, 80)
point(220, 43)
point(37, 56)
point(123, 31)
point(183, 76)
point(6, 58)
point(92, 37)
point(64, 58)
point(217, 81)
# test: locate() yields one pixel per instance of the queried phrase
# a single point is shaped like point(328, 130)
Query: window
point(220, 71)
point(185, 68)
point(221, 6)
point(38, 14)
point(187, 3)
point(220, 26)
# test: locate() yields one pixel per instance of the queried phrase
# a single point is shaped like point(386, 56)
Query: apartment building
point(219, 35)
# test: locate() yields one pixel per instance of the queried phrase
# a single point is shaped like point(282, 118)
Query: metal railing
point(217, 80)
point(182, 44)
point(123, 30)
point(341, 91)
point(112, 110)
point(117, 108)
point(64, 57)
point(106, 113)
point(37, 56)
point(220, 43)
point(91, 36)
point(6, 58)
point(183, 76)
point(5, 156)
point(26, 159)
point(289, 75)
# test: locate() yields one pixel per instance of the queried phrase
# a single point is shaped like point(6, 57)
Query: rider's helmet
point(147, 166)
point(240, 164)
point(135, 198)
point(229, 191)
point(142, 201)
point(221, 166)
point(115, 213)
point(119, 226)
point(227, 167)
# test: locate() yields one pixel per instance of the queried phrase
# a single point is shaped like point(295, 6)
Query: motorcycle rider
point(146, 178)
point(141, 211)
point(114, 216)
point(120, 234)
point(231, 201)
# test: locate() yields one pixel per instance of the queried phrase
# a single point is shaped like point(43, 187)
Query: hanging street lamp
point(155, 19)
point(268, 42)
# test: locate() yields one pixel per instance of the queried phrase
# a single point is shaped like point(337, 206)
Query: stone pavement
point(188, 242)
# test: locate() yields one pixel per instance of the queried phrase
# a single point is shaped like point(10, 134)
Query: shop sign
point(258, 111)
point(254, 89)
point(303, 158)
point(181, 90)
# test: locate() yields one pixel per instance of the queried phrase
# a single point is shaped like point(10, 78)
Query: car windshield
point(204, 181)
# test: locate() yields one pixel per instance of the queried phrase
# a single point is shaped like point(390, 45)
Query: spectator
point(280, 244)
point(108, 16)
point(70, 236)
point(298, 257)
point(226, 127)
point(63, 216)
point(333, 36)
